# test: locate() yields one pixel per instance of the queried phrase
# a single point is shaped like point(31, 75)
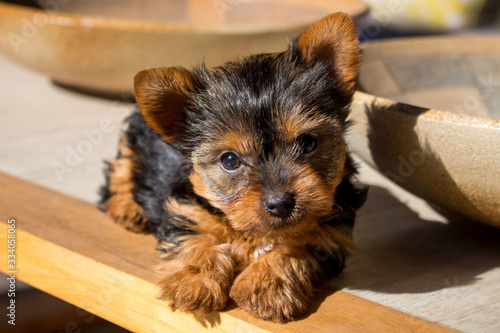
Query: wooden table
point(68, 248)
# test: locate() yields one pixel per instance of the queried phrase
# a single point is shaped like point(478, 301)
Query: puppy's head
point(264, 133)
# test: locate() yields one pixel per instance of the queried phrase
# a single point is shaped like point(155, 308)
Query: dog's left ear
point(161, 94)
point(333, 40)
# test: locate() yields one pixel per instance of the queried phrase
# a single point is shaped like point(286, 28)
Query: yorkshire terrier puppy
point(242, 173)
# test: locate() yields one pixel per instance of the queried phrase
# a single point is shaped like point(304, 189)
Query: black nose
point(280, 204)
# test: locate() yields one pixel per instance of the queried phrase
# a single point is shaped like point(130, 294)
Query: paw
point(192, 291)
point(267, 296)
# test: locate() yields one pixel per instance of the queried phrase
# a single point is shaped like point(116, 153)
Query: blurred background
point(397, 18)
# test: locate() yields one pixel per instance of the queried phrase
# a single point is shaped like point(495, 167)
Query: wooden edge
point(430, 45)
point(100, 289)
point(118, 293)
point(217, 25)
point(363, 102)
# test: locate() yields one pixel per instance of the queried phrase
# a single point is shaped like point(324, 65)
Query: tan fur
point(243, 144)
point(160, 93)
point(335, 38)
point(202, 189)
point(265, 263)
point(276, 287)
point(274, 284)
point(199, 279)
point(298, 122)
point(121, 205)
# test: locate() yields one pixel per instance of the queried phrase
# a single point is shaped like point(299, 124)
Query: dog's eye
point(308, 143)
point(230, 161)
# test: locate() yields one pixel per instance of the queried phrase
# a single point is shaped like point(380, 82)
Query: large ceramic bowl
point(446, 150)
point(101, 45)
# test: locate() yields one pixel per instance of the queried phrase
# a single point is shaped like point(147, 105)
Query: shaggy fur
point(242, 174)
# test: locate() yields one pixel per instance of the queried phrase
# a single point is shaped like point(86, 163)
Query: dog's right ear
point(333, 41)
point(161, 94)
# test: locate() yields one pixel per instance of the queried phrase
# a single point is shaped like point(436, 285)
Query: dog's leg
point(197, 269)
point(117, 194)
point(277, 286)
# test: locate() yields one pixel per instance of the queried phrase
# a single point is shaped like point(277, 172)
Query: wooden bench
point(68, 248)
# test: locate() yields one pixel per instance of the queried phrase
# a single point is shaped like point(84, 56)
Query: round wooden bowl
point(101, 45)
point(447, 149)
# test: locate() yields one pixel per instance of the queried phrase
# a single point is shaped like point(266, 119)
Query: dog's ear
point(161, 94)
point(333, 40)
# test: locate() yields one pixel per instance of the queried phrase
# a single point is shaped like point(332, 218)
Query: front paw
point(269, 297)
point(193, 291)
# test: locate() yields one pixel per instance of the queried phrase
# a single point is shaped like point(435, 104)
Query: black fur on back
point(160, 172)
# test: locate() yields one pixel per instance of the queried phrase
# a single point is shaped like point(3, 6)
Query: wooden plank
point(68, 248)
